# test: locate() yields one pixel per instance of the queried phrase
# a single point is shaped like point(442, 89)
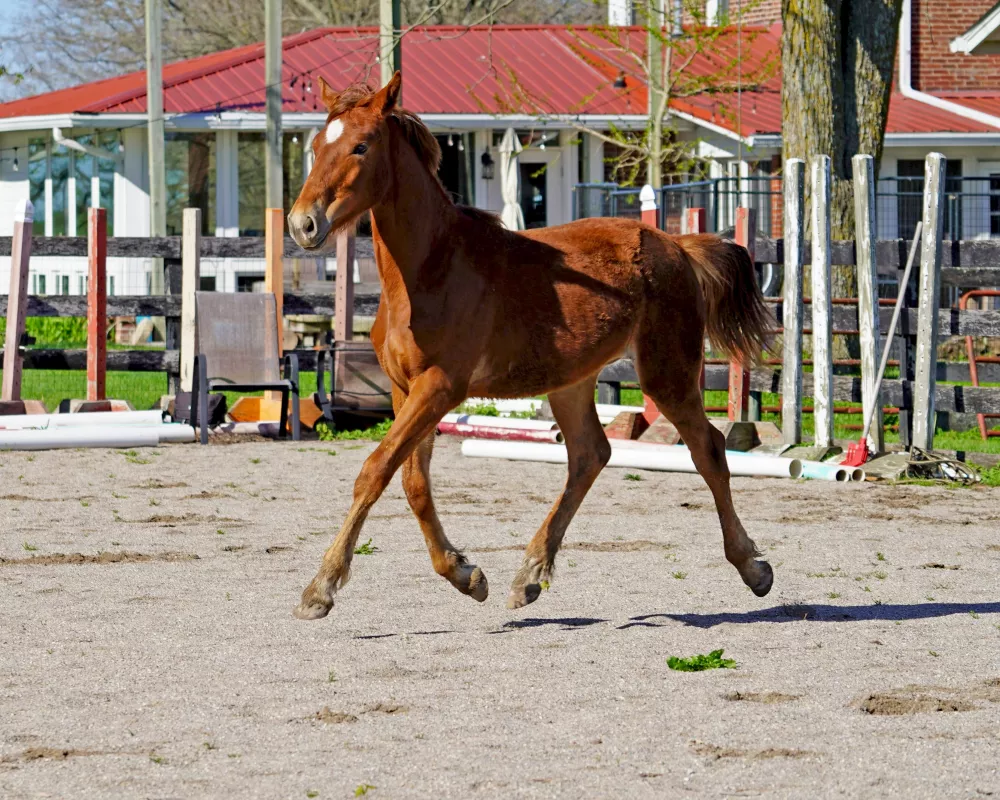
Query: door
point(541, 187)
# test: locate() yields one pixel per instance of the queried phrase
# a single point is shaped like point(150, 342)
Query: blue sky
point(10, 9)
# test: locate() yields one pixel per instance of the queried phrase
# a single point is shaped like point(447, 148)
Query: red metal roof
point(480, 70)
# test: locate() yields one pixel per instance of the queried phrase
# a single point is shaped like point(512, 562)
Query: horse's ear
point(385, 99)
point(327, 95)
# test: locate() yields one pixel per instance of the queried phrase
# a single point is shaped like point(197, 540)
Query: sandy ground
point(177, 669)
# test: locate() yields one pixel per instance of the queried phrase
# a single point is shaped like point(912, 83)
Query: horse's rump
point(737, 319)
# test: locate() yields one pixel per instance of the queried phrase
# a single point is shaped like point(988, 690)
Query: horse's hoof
point(765, 579)
point(472, 581)
point(312, 610)
point(523, 595)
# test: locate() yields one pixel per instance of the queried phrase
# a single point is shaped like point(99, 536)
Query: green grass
point(699, 663)
point(376, 433)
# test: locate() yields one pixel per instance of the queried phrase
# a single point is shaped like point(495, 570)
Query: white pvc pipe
point(84, 420)
point(118, 436)
point(533, 404)
point(672, 458)
point(501, 422)
point(817, 470)
point(175, 433)
point(249, 428)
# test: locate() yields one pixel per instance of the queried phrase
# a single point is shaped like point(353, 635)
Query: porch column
point(227, 212)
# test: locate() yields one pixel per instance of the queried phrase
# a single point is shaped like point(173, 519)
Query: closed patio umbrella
point(510, 181)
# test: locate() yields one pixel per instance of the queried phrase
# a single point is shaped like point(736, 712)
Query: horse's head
point(351, 170)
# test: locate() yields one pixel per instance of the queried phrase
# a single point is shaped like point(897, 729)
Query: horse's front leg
point(431, 397)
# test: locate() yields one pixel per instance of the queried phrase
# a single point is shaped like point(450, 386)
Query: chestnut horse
point(469, 308)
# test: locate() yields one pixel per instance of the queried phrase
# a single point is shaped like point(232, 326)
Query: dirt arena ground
point(147, 646)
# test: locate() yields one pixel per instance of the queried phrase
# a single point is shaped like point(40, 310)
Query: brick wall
point(757, 12)
point(935, 67)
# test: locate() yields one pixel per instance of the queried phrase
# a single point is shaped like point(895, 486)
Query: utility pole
point(390, 39)
point(655, 19)
point(272, 79)
point(154, 124)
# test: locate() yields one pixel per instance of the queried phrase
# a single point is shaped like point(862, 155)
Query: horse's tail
point(737, 320)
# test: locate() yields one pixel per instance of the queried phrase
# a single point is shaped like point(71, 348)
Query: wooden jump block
point(267, 409)
point(91, 406)
point(627, 425)
point(745, 436)
point(16, 407)
point(660, 432)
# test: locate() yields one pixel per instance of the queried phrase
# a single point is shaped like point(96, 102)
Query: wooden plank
point(793, 225)
point(97, 303)
point(128, 360)
point(868, 316)
point(924, 419)
point(766, 379)
point(190, 279)
point(171, 246)
point(693, 221)
point(18, 310)
point(822, 338)
point(343, 324)
point(739, 376)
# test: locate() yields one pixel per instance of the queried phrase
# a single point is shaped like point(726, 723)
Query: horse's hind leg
point(675, 390)
point(448, 562)
point(588, 451)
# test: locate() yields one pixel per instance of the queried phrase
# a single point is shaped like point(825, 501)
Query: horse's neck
point(412, 220)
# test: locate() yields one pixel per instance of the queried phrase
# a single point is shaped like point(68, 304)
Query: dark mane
point(415, 132)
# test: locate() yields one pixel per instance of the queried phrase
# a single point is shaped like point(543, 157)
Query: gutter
point(905, 76)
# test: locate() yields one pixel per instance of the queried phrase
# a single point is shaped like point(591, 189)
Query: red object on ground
point(857, 453)
point(505, 434)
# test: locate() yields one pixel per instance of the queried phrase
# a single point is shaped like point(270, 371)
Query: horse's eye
point(360, 149)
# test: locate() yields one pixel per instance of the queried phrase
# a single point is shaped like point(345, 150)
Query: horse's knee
point(372, 479)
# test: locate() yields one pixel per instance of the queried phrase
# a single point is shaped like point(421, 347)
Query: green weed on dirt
point(699, 663)
point(376, 433)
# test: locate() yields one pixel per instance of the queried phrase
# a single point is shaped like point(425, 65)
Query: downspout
point(905, 76)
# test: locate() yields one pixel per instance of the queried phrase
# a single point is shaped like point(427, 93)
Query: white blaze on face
point(333, 131)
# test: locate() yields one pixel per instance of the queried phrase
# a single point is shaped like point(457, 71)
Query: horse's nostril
point(309, 225)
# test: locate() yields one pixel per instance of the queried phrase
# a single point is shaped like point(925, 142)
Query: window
point(38, 166)
point(59, 160)
point(41, 284)
point(246, 283)
point(189, 162)
point(111, 285)
point(81, 285)
point(206, 283)
point(87, 168)
point(250, 166)
point(53, 164)
point(910, 197)
point(65, 284)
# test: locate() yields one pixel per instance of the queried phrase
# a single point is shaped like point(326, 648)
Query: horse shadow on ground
point(816, 613)
point(564, 623)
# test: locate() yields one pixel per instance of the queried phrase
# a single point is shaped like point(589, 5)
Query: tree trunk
point(837, 59)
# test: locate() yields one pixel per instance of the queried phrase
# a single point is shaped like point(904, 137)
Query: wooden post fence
point(791, 373)
point(190, 280)
point(739, 375)
point(17, 300)
point(868, 316)
point(821, 307)
point(924, 417)
point(274, 277)
point(97, 303)
point(647, 207)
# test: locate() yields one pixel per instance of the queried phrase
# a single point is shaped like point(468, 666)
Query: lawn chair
point(357, 382)
point(238, 351)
